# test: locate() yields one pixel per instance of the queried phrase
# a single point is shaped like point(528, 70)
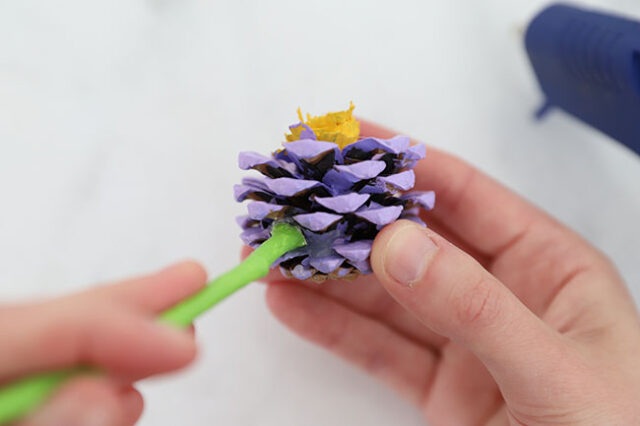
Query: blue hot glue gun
point(588, 64)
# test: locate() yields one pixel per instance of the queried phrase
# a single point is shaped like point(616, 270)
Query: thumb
point(451, 293)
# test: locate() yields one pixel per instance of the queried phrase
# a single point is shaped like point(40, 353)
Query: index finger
point(476, 208)
point(64, 333)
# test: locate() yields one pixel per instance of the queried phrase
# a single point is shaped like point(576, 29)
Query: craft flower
point(339, 127)
point(340, 194)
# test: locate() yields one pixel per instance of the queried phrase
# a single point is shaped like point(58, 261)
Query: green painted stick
point(20, 398)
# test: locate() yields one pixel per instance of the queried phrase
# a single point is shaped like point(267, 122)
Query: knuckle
point(479, 305)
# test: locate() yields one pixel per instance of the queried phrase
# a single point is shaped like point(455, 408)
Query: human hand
point(495, 315)
point(113, 328)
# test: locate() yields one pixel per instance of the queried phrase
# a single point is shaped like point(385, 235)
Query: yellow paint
point(338, 127)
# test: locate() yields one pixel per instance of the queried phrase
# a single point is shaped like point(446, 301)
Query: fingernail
point(408, 254)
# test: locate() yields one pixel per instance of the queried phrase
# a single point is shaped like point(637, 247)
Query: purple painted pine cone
point(340, 198)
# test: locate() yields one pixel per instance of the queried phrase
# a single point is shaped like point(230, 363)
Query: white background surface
point(120, 123)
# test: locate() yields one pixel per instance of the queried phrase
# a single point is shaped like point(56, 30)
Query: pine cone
point(339, 197)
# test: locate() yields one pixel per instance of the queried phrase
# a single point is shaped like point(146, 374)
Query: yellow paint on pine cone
point(338, 127)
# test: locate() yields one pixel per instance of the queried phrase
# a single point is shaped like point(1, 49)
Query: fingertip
point(153, 292)
point(190, 270)
point(387, 250)
point(170, 285)
point(132, 404)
